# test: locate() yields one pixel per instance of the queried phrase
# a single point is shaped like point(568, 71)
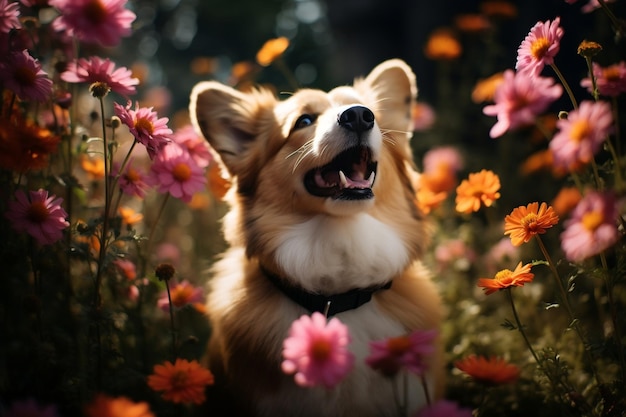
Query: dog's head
point(334, 155)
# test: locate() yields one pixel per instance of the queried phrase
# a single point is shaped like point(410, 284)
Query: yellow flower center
point(95, 12)
point(37, 212)
point(398, 345)
point(580, 130)
point(320, 349)
point(181, 172)
point(592, 220)
point(145, 125)
point(25, 76)
point(503, 275)
point(529, 220)
point(539, 48)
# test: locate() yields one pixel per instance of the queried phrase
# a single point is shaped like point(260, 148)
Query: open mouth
point(350, 176)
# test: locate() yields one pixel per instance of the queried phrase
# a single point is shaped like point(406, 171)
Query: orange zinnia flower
point(129, 216)
point(105, 406)
point(93, 166)
point(566, 200)
point(485, 88)
point(442, 45)
point(480, 187)
point(488, 371)
point(499, 8)
point(181, 382)
point(507, 278)
point(527, 221)
point(271, 51)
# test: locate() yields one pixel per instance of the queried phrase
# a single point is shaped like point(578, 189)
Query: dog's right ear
point(228, 119)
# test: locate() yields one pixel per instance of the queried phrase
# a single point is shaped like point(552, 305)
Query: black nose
point(357, 119)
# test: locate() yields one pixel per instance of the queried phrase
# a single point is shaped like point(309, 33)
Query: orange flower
point(218, 185)
point(181, 382)
point(25, 146)
point(499, 8)
point(129, 216)
point(105, 406)
point(93, 166)
point(480, 187)
point(428, 200)
point(442, 45)
point(488, 371)
point(527, 221)
point(472, 23)
point(566, 200)
point(271, 51)
point(485, 88)
point(507, 278)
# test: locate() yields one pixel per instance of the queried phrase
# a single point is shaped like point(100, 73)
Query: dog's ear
point(229, 120)
point(392, 89)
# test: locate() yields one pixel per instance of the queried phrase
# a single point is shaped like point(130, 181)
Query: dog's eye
point(304, 121)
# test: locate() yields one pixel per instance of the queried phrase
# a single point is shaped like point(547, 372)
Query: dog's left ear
point(392, 89)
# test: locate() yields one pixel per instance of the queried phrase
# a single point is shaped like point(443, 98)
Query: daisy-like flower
point(480, 188)
point(524, 222)
point(96, 70)
point(30, 408)
point(175, 172)
point(507, 278)
point(581, 135)
point(182, 294)
point(610, 81)
point(93, 166)
point(427, 200)
point(94, 21)
point(539, 47)
point(489, 371)
point(24, 146)
point(395, 353)
point(444, 408)
point(181, 382)
point(485, 89)
point(9, 16)
point(442, 45)
point(129, 216)
point(145, 125)
point(592, 226)
point(272, 50)
point(566, 199)
point(22, 74)
point(519, 99)
point(593, 5)
point(316, 351)
point(132, 181)
point(38, 214)
point(197, 147)
point(104, 406)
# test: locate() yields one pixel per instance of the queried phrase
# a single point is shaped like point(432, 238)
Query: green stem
point(426, 390)
point(565, 84)
point(616, 328)
point(173, 327)
point(520, 327)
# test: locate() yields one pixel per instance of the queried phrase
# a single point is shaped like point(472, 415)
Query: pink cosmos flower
point(30, 408)
point(519, 99)
point(581, 135)
point(411, 352)
point(98, 70)
point(444, 408)
point(317, 351)
point(132, 181)
point(592, 226)
point(9, 16)
point(22, 74)
point(38, 214)
point(539, 47)
point(94, 21)
point(424, 116)
point(447, 156)
point(610, 81)
point(593, 5)
point(175, 172)
point(144, 124)
point(182, 294)
point(197, 147)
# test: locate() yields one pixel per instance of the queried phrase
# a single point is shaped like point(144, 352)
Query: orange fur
point(319, 243)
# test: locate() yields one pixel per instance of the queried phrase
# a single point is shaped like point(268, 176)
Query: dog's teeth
point(344, 180)
point(370, 180)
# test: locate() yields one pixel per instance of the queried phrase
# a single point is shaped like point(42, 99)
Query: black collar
point(336, 303)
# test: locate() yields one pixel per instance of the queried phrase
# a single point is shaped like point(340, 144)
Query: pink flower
point(444, 408)
point(182, 294)
point(22, 74)
point(30, 408)
point(423, 116)
point(132, 181)
point(197, 147)
point(94, 21)
point(443, 156)
point(9, 16)
point(592, 226)
point(592, 5)
point(610, 81)
point(126, 268)
point(39, 215)
point(581, 135)
point(519, 100)
point(144, 124)
point(539, 47)
point(411, 352)
point(317, 351)
point(174, 171)
point(98, 70)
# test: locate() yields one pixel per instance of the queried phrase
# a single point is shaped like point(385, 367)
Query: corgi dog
point(322, 209)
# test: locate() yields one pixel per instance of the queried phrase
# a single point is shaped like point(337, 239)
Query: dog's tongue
point(356, 181)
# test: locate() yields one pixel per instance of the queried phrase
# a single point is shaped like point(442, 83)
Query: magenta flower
point(592, 226)
point(197, 147)
point(519, 99)
point(22, 74)
point(39, 215)
point(581, 135)
point(539, 47)
point(317, 351)
point(94, 21)
point(411, 352)
point(30, 408)
point(9, 16)
point(98, 70)
point(132, 181)
point(444, 408)
point(593, 5)
point(182, 294)
point(610, 81)
point(144, 124)
point(175, 172)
